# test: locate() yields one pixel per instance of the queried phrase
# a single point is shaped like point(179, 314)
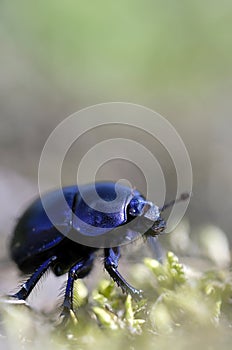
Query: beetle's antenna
point(183, 197)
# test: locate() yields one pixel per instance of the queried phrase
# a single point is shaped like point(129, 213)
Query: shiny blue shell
point(35, 234)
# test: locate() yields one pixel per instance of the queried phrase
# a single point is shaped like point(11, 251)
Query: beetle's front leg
point(112, 256)
point(156, 248)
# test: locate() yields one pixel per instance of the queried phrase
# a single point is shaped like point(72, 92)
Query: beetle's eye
point(136, 206)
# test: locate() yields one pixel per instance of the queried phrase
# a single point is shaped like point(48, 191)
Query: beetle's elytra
point(37, 244)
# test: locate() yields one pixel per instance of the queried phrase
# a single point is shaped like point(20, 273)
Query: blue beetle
point(38, 244)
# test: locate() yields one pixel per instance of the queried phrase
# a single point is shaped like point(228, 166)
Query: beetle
point(39, 243)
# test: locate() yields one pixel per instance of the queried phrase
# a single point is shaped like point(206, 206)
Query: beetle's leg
point(156, 248)
point(112, 256)
point(80, 270)
point(27, 287)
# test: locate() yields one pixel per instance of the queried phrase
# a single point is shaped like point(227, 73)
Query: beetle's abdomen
point(35, 233)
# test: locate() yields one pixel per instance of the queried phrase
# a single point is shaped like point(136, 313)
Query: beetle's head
point(138, 206)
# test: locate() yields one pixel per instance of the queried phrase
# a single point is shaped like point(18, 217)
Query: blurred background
point(174, 57)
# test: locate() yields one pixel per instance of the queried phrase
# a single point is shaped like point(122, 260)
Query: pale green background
point(172, 56)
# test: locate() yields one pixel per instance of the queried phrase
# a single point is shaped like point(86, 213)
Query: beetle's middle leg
point(112, 256)
point(80, 270)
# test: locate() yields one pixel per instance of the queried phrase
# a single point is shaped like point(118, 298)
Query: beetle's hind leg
point(80, 270)
point(27, 287)
point(112, 256)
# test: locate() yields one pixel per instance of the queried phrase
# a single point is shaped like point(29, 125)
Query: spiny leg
point(27, 287)
point(112, 256)
point(80, 270)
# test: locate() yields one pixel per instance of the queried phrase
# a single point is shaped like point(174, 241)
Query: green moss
point(181, 307)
